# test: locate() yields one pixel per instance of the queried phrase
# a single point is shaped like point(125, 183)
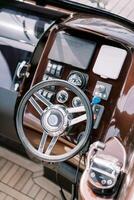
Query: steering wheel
point(55, 119)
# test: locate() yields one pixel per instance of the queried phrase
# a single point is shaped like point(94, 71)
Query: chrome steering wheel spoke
point(36, 105)
point(42, 142)
point(51, 145)
point(77, 120)
point(43, 99)
point(76, 109)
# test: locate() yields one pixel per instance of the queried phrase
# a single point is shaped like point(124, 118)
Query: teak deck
point(123, 8)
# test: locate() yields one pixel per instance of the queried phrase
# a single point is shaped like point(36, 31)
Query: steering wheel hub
point(54, 120)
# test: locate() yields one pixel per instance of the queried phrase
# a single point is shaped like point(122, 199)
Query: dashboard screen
point(72, 50)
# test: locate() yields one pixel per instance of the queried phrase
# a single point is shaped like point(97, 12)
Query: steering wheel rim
point(19, 122)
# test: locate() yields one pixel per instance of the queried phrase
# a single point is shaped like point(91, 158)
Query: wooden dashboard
point(118, 112)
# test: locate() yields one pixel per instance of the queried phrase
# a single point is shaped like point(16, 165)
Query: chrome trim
point(61, 125)
point(76, 109)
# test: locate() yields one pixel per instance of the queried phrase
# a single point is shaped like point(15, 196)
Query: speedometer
point(77, 78)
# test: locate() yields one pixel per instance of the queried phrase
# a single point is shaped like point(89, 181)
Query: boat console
point(77, 89)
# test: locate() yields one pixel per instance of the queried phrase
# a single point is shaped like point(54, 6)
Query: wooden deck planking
point(112, 4)
point(23, 180)
point(131, 15)
point(128, 9)
point(124, 8)
point(120, 6)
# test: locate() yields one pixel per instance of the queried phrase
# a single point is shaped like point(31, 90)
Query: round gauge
point(62, 96)
point(76, 102)
point(76, 78)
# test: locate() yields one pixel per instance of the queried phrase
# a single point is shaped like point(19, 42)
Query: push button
point(45, 78)
point(58, 70)
point(102, 90)
point(49, 66)
point(54, 69)
point(48, 95)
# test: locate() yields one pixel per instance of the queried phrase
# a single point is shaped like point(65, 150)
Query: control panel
point(64, 63)
point(104, 172)
point(55, 70)
point(106, 168)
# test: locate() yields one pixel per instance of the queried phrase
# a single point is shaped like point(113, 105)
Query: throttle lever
point(96, 146)
point(105, 169)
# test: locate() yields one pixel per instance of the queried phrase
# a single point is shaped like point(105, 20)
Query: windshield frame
point(78, 7)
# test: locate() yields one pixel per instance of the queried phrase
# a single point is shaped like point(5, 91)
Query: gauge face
point(76, 102)
point(62, 96)
point(76, 79)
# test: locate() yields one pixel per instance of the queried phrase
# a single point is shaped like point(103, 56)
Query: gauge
point(76, 102)
point(77, 78)
point(62, 96)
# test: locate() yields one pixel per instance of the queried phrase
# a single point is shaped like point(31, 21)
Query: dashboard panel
point(61, 62)
point(95, 54)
